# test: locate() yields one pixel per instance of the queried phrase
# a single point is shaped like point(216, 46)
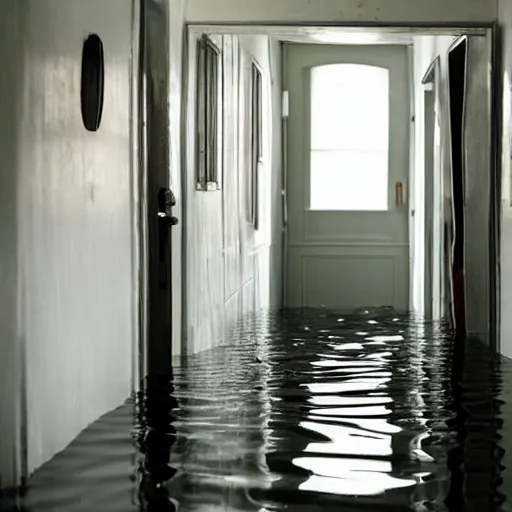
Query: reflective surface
point(302, 411)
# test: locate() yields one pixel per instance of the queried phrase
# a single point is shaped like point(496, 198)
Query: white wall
point(229, 266)
point(505, 18)
point(294, 11)
point(72, 238)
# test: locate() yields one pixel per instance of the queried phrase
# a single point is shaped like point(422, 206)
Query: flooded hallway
point(305, 411)
point(255, 256)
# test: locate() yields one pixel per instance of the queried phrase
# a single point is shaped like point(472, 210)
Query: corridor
point(301, 410)
point(223, 224)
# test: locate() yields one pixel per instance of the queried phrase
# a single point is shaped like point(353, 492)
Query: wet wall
point(229, 266)
point(66, 236)
point(295, 11)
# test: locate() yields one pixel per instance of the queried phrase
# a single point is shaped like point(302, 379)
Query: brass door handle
point(399, 193)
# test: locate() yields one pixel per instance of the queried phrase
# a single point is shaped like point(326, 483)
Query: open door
point(478, 190)
point(158, 199)
point(457, 66)
point(469, 67)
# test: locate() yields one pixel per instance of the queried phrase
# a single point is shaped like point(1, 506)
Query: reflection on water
point(306, 411)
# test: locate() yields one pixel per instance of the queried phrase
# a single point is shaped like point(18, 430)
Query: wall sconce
point(93, 83)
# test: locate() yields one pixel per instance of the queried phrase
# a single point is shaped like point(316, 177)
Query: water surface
point(302, 411)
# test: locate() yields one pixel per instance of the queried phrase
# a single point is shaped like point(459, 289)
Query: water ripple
point(310, 410)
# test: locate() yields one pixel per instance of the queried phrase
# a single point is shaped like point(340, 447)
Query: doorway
point(347, 153)
point(345, 243)
point(158, 208)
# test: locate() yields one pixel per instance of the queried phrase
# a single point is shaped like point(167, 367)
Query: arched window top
point(339, 70)
point(349, 106)
point(349, 136)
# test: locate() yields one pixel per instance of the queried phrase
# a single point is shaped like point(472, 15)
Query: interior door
point(347, 166)
point(156, 349)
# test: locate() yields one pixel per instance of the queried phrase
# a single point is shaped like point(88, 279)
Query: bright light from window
point(349, 137)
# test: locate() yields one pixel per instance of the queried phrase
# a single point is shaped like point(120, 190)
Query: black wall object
point(93, 82)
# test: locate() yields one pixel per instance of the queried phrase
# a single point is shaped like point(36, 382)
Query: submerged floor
point(303, 411)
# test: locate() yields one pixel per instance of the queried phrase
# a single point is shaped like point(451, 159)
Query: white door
point(348, 158)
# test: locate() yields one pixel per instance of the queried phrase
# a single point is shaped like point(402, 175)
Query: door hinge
point(286, 104)
point(413, 118)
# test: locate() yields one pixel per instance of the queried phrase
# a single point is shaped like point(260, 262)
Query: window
point(209, 111)
point(256, 120)
point(349, 138)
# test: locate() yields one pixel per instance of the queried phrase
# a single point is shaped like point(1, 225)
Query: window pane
point(208, 114)
point(349, 137)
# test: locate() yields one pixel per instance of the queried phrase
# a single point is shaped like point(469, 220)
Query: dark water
point(302, 411)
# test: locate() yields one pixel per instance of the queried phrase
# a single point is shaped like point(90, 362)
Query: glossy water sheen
point(301, 411)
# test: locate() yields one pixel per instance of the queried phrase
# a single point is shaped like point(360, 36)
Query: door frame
point(431, 80)
point(487, 29)
point(429, 106)
point(152, 351)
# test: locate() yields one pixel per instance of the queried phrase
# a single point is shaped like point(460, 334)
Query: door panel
point(341, 258)
point(157, 350)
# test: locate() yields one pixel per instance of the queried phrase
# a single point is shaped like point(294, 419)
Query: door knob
point(166, 201)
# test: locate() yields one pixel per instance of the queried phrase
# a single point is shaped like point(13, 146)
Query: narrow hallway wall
point(229, 264)
point(477, 187)
point(68, 268)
